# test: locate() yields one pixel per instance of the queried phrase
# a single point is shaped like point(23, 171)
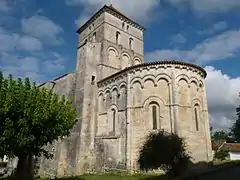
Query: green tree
point(166, 151)
point(30, 118)
point(221, 154)
point(220, 135)
point(235, 131)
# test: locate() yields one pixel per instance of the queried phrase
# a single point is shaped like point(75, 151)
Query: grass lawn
point(115, 177)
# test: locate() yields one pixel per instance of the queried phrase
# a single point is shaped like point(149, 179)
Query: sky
point(38, 40)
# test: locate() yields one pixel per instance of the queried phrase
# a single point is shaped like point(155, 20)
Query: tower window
point(196, 117)
point(123, 24)
point(127, 27)
point(118, 37)
point(93, 80)
point(131, 43)
point(94, 37)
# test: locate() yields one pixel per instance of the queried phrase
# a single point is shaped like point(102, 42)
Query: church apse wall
point(150, 99)
point(192, 113)
point(172, 98)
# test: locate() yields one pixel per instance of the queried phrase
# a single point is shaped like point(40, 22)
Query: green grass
point(115, 177)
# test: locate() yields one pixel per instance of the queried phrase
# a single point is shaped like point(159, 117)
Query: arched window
point(113, 120)
point(155, 113)
point(154, 116)
point(131, 43)
point(196, 117)
point(118, 37)
point(123, 24)
point(94, 37)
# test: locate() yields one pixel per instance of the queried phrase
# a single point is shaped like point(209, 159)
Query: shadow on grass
point(199, 170)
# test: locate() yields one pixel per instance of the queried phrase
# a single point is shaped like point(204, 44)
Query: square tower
point(120, 38)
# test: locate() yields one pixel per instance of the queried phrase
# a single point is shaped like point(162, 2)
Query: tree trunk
point(24, 168)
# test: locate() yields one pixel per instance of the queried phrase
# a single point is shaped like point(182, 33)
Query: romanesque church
point(120, 98)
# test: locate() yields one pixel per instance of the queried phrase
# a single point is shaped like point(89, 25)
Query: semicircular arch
point(163, 76)
point(150, 99)
point(183, 77)
point(113, 49)
point(149, 77)
point(135, 80)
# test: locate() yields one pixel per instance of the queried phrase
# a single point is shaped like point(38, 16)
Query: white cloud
point(177, 39)
point(207, 6)
point(29, 43)
point(82, 19)
point(43, 28)
point(216, 48)
point(22, 53)
point(220, 26)
point(36, 68)
point(222, 95)
point(10, 41)
point(138, 10)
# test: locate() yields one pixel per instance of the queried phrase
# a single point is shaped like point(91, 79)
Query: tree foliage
point(166, 151)
point(235, 131)
point(221, 154)
point(220, 135)
point(30, 118)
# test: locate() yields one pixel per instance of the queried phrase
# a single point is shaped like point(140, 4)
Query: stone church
point(120, 98)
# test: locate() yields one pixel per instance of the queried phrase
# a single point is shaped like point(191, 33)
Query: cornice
point(114, 12)
point(156, 63)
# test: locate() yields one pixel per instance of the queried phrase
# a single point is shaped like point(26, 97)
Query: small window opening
point(93, 80)
point(196, 118)
point(94, 37)
point(114, 120)
point(127, 27)
point(123, 24)
point(154, 116)
point(117, 37)
point(130, 43)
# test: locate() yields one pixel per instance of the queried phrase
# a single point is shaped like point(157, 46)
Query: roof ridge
point(104, 8)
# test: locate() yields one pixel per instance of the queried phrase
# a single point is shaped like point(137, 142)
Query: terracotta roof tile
point(233, 147)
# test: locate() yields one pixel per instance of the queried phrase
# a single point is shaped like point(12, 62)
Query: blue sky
point(38, 39)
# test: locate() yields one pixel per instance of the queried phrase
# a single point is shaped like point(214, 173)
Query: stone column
point(174, 103)
point(129, 157)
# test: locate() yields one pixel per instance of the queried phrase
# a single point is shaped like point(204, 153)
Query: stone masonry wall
point(111, 125)
point(163, 86)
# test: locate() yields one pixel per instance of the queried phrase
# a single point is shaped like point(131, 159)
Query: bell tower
point(108, 42)
point(120, 37)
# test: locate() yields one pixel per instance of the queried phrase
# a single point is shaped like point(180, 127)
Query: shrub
point(166, 151)
point(221, 154)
